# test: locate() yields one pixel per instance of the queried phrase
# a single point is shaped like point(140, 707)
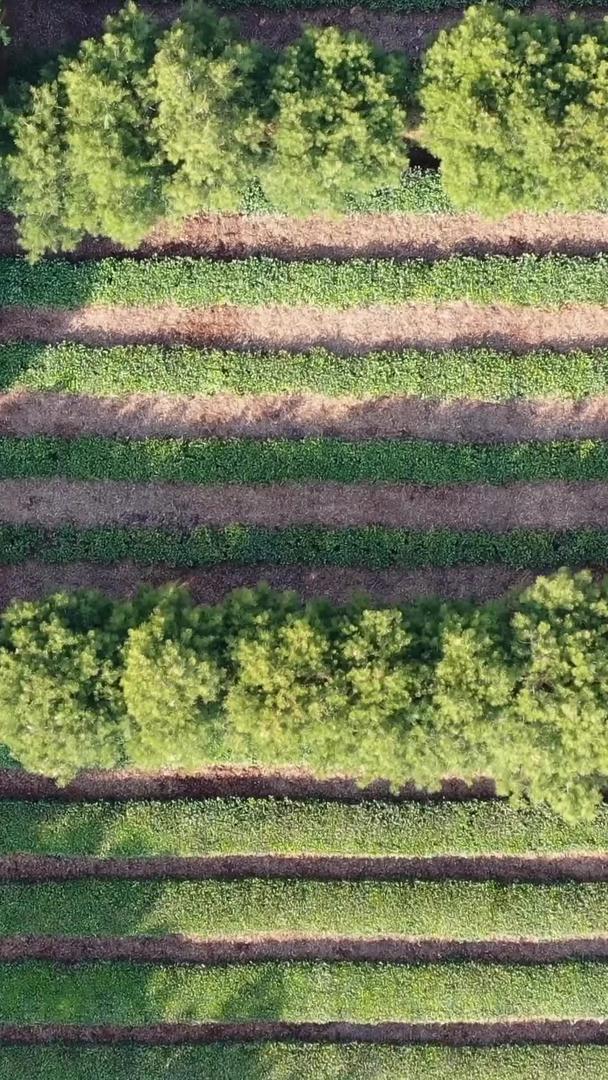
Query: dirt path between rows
point(54, 503)
point(357, 330)
point(34, 580)
point(191, 1033)
point(398, 236)
point(506, 869)
point(262, 948)
point(298, 416)
point(47, 24)
point(226, 781)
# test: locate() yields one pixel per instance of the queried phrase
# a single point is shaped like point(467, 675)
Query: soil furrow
point(53, 503)
point(298, 416)
point(397, 236)
point(470, 1033)
point(458, 324)
point(532, 869)
point(221, 781)
point(34, 580)
point(183, 949)
point(65, 21)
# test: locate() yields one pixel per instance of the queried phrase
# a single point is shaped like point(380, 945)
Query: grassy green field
point(251, 461)
point(466, 910)
point(259, 826)
point(530, 280)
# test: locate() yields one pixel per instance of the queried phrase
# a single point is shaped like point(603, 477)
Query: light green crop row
point(268, 825)
point(256, 461)
point(276, 1061)
point(468, 911)
point(474, 373)
point(39, 992)
point(528, 280)
point(374, 547)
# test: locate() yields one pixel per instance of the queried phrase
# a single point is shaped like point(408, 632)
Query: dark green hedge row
point(276, 1061)
point(512, 690)
point(373, 546)
point(528, 280)
point(474, 373)
point(257, 461)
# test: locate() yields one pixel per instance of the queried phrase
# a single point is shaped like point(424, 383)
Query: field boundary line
point(531, 869)
point(503, 1033)
point(261, 948)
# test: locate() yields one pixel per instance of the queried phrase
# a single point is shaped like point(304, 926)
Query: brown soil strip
point(358, 330)
point(532, 869)
point(298, 416)
point(397, 236)
point(91, 504)
point(340, 585)
point(469, 1033)
point(223, 781)
point(47, 25)
point(182, 949)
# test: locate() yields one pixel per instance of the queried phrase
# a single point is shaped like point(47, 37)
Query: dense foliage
point(517, 108)
point(284, 1061)
point(529, 280)
point(144, 123)
point(266, 461)
point(479, 373)
point(514, 690)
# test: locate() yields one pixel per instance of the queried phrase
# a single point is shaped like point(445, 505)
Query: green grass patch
point(268, 825)
point(374, 547)
point(272, 1061)
point(465, 910)
point(257, 461)
point(528, 280)
point(39, 992)
point(475, 373)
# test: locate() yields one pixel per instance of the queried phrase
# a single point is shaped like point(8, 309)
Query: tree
point(84, 161)
point(60, 699)
point(173, 685)
point(208, 90)
point(340, 122)
point(516, 107)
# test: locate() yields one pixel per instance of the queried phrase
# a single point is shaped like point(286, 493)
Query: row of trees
point(143, 124)
point(517, 690)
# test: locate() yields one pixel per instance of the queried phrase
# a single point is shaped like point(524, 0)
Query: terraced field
point(240, 937)
point(398, 403)
point(331, 425)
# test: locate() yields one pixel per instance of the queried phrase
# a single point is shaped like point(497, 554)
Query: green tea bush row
point(257, 826)
point(38, 992)
point(278, 1061)
point(515, 691)
point(529, 280)
point(456, 910)
point(375, 546)
point(256, 461)
point(474, 373)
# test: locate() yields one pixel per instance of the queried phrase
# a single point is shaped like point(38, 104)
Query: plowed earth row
point(358, 330)
point(89, 504)
point(267, 416)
